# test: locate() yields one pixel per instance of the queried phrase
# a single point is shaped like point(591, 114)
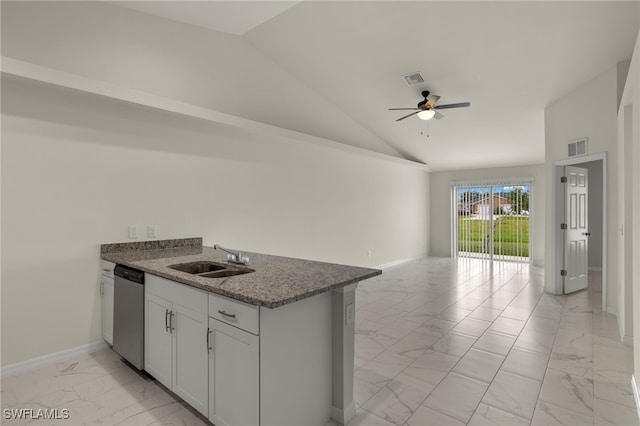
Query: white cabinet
point(106, 291)
point(236, 363)
point(233, 375)
point(158, 338)
point(176, 334)
point(270, 367)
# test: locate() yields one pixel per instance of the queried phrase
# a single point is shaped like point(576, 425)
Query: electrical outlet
point(152, 231)
point(133, 232)
point(350, 313)
point(369, 254)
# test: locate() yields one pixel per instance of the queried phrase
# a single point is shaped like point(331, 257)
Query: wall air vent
point(577, 148)
point(413, 78)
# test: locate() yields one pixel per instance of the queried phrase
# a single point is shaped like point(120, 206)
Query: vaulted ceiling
point(509, 59)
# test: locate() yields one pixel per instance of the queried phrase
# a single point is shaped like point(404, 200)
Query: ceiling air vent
point(413, 78)
point(577, 148)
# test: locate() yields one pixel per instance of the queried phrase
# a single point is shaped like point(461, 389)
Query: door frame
point(557, 200)
point(516, 181)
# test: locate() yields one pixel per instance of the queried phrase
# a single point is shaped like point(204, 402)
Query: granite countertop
point(275, 282)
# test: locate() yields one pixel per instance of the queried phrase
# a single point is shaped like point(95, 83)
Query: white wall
point(191, 64)
point(77, 169)
point(572, 117)
point(440, 216)
point(629, 119)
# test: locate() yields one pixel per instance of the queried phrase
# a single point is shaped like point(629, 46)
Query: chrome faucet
point(233, 256)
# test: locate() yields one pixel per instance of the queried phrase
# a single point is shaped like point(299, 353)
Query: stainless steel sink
point(226, 273)
point(208, 269)
point(198, 267)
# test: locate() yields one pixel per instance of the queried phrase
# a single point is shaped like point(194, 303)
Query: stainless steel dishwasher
point(128, 315)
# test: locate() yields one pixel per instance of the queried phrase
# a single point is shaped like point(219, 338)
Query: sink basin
point(198, 267)
point(210, 269)
point(226, 273)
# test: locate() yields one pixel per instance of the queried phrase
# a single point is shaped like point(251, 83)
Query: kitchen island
point(285, 329)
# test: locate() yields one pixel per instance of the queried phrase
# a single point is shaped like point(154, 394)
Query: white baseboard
point(343, 416)
point(31, 364)
point(626, 340)
point(399, 262)
point(636, 396)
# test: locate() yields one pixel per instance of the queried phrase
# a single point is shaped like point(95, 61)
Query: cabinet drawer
point(234, 312)
point(182, 294)
point(106, 268)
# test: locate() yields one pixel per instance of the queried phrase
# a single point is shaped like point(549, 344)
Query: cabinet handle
point(101, 287)
point(106, 269)
point(172, 327)
point(227, 314)
point(166, 322)
point(208, 339)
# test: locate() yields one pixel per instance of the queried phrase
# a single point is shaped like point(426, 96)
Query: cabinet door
point(158, 339)
point(233, 376)
point(107, 309)
point(190, 359)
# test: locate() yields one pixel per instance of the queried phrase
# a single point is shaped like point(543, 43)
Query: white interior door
point(577, 230)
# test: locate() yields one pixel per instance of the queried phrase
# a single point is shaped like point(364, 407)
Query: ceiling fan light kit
point(427, 108)
point(426, 114)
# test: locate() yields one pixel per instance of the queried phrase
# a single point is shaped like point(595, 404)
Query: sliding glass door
point(492, 221)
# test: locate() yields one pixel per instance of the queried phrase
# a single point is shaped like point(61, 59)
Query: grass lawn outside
point(510, 235)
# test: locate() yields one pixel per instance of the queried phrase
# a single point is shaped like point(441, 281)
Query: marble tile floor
point(442, 342)
point(96, 389)
point(438, 342)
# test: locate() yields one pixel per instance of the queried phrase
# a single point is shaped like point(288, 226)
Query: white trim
point(624, 338)
point(56, 77)
point(494, 182)
point(343, 416)
point(31, 364)
point(399, 262)
point(636, 395)
point(583, 159)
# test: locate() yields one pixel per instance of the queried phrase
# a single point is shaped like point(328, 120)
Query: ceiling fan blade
point(403, 109)
point(431, 101)
point(459, 105)
point(438, 116)
point(408, 115)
